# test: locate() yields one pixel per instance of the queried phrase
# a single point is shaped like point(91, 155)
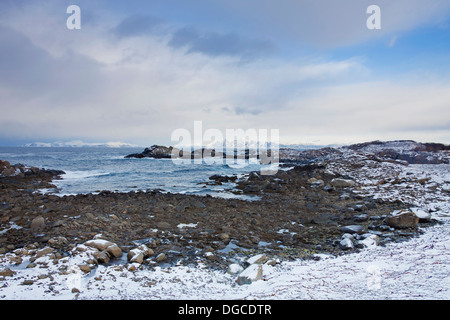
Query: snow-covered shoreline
point(415, 269)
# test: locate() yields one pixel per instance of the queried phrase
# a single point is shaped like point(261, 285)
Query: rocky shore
point(340, 202)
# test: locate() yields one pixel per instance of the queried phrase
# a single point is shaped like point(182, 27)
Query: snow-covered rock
point(402, 219)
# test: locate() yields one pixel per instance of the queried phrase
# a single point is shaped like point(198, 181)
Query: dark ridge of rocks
point(162, 152)
point(409, 151)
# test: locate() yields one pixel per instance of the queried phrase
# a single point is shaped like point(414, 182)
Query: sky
point(136, 71)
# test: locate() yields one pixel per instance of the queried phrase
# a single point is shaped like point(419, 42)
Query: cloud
point(138, 25)
point(330, 24)
point(124, 81)
point(215, 44)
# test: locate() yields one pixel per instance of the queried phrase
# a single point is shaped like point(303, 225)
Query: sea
point(95, 169)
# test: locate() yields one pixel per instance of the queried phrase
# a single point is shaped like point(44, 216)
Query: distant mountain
point(79, 144)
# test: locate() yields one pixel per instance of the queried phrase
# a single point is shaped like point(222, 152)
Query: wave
point(76, 175)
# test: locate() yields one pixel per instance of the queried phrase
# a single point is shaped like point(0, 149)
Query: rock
point(342, 183)
point(163, 225)
point(235, 268)
point(85, 268)
point(89, 216)
point(57, 242)
point(75, 290)
point(38, 223)
point(6, 272)
point(402, 219)
point(253, 273)
point(346, 244)
point(315, 183)
point(137, 258)
point(258, 259)
point(369, 241)
point(27, 282)
point(114, 251)
point(224, 236)
point(209, 256)
point(44, 252)
point(353, 229)
point(101, 256)
point(161, 257)
point(361, 217)
point(98, 244)
point(421, 214)
point(139, 254)
point(158, 152)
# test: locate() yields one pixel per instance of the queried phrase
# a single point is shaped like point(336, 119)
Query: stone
point(58, 241)
point(38, 223)
point(114, 251)
point(342, 183)
point(235, 268)
point(44, 252)
point(253, 273)
point(361, 217)
point(163, 225)
point(353, 229)
point(421, 214)
point(346, 244)
point(224, 236)
point(258, 259)
point(137, 258)
point(401, 219)
point(6, 272)
point(139, 253)
point(101, 256)
point(161, 257)
point(369, 241)
point(85, 268)
point(98, 244)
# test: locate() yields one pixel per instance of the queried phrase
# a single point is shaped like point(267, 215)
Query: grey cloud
point(138, 25)
point(215, 44)
point(243, 111)
point(31, 71)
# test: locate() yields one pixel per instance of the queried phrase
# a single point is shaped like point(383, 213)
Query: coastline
point(300, 217)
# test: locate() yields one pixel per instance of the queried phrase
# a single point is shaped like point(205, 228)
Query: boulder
point(99, 244)
point(421, 214)
point(114, 251)
point(346, 244)
point(258, 259)
point(139, 254)
point(235, 268)
point(401, 219)
point(38, 223)
point(342, 183)
point(353, 229)
point(368, 240)
point(253, 273)
point(161, 257)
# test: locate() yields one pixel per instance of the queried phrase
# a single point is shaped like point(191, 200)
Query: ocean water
point(91, 169)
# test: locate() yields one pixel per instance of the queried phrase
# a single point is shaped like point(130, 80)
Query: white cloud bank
point(91, 84)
